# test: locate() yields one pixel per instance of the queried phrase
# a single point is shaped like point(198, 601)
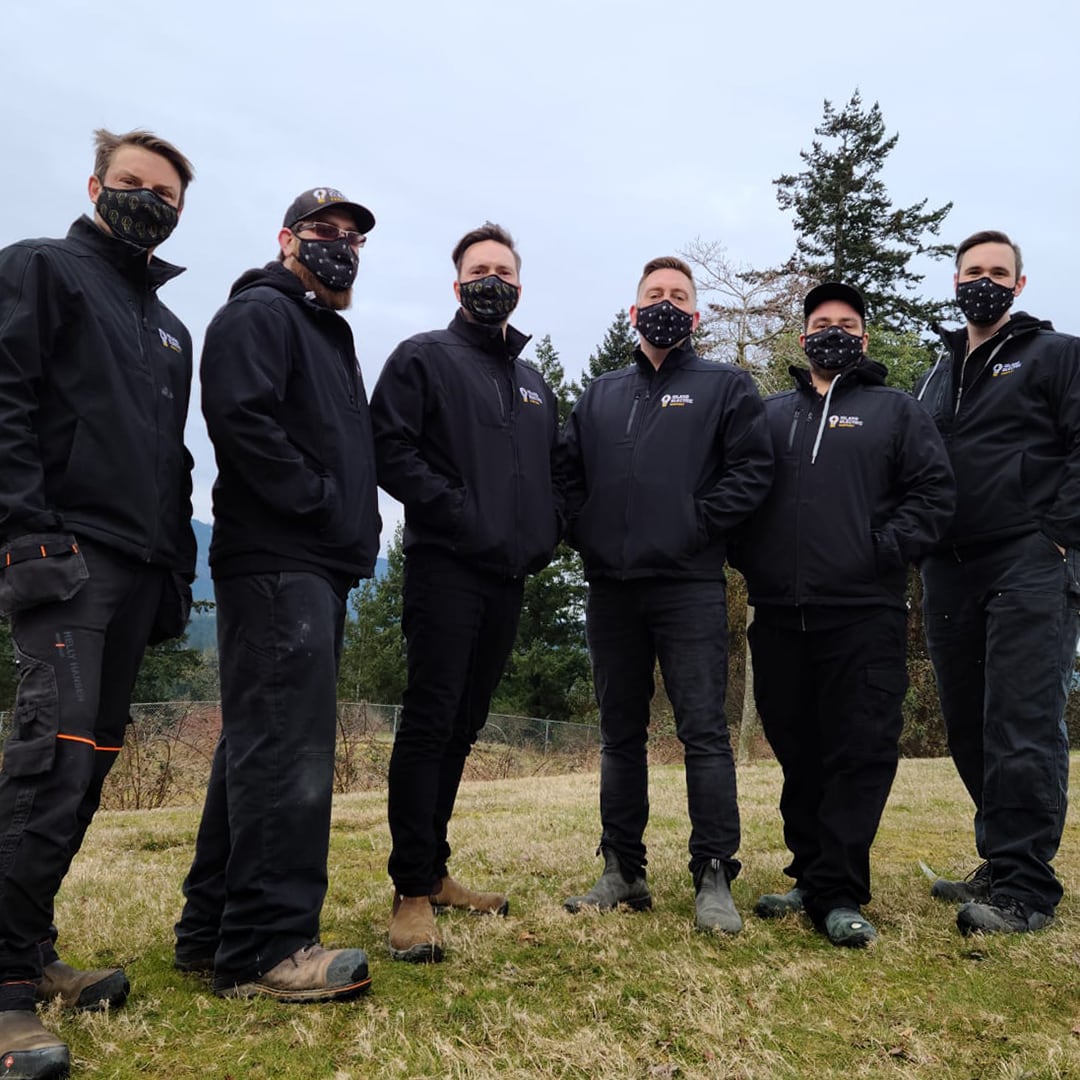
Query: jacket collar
point(490, 338)
point(677, 357)
point(127, 258)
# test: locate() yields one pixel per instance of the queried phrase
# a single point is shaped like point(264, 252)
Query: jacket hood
point(1020, 323)
point(866, 372)
point(273, 274)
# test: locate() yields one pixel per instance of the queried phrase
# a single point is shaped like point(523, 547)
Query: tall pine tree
point(614, 352)
point(848, 230)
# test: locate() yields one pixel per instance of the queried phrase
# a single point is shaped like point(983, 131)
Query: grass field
point(543, 993)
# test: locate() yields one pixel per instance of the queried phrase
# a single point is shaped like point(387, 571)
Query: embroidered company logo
point(1006, 369)
point(837, 421)
point(675, 400)
point(530, 397)
point(168, 340)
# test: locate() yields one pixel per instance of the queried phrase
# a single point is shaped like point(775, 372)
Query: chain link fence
point(170, 745)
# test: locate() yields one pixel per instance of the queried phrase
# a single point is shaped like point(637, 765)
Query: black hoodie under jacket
point(286, 410)
point(862, 487)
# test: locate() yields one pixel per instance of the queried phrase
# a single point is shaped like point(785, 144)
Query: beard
point(334, 299)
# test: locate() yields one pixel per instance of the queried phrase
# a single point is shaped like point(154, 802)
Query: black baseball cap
point(324, 198)
point(833, 290)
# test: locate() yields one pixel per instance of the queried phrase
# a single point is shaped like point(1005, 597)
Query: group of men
point(822, 496)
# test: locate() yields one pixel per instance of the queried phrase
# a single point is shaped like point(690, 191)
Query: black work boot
point(1000, 915)
point(714, 907)
point(975, 888)
point(28, 1050)
point(89, 991)
point(777, 905)
point(612, 889)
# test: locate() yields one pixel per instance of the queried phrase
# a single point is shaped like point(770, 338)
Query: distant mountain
point(203, 588)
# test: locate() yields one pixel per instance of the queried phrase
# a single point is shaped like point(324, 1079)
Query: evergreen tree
point(9, 673)
point(614, 352)
point(373, 650)
point(170, 669)
point(848, 230)
point(547, 361)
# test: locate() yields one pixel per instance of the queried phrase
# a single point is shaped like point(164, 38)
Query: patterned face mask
point(489, 300)
point(983, 301)
point(663, 324)
point(139, 216)
point(333, 262)
point(832, 349)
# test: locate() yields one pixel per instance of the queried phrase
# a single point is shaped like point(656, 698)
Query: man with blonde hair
point(96, 547)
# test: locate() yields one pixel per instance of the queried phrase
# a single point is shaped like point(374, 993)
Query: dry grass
point(543, 993)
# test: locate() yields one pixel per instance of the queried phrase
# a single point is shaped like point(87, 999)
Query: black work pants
point(830, 703)
point(459, 626)
point(78, 660)
point(1001, 629)
point(256, 886)
point(683, 624)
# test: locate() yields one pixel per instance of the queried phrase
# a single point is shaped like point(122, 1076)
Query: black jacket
point(465, 436)
point(862, 488)
point(662, 464)
point(95, 374)
point(286, 410)
point(1014, 441)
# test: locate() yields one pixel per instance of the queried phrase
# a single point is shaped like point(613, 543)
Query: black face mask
point(983, 301)
point(333, 262)
point(833, 349)
point(489, 300)
point(137, 215)
point(663, 324)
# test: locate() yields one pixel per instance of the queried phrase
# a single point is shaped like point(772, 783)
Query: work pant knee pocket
point(35, 722)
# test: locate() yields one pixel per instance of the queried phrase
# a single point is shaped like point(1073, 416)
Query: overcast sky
point(601, 134)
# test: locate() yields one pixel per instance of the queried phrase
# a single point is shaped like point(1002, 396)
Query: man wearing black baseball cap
point(296, 524)
point(862, 488)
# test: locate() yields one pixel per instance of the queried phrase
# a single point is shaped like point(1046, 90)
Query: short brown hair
point(990, 236)
point(667, 262)
point(106, 144)
point(488, 231)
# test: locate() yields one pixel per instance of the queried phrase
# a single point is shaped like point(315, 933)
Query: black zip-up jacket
point(662, 465)
point(1014, 439)
point(95, 374)
point(862, 488)
point(465, 437)
point(286, 410)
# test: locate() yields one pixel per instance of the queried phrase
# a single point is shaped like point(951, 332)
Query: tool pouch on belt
point(39, 568)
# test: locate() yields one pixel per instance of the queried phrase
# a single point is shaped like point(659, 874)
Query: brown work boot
point(413, 936)
point(453, 894)
point(310, 974)
point(30, 1051)
point(89, 991)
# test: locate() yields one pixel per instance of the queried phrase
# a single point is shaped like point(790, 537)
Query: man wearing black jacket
point(665, 458)
point(296, 524)
point(1002, 590)
point(465, 432)
point(862, 489)
point(96, 547)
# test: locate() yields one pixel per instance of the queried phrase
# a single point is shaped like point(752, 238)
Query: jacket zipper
point(498, 395)
point(633, 411)
point(794, 426)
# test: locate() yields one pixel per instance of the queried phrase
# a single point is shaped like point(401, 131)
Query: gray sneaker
point(713, 905)
point(309, 974)
point(1001, 915)
point(975, 887)
point(776, 905)
point(612, 889)
point(847, 927)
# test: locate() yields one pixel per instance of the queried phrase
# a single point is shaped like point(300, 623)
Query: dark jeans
point(630, 625)
point(1001, 628)
point(77, 664)
point(459, 626)
point(830, 704)
point(256, 886)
